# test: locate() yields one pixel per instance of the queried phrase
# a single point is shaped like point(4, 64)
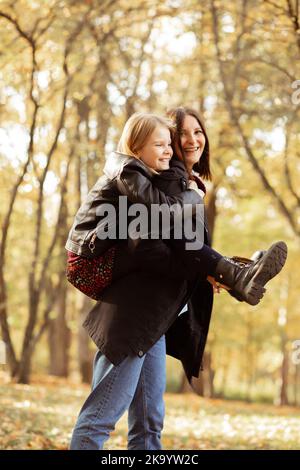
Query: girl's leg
point(147, 409)
point(113, 390)
point(172, 260)
point(245, 281)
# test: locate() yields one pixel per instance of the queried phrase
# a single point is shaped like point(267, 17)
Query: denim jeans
point(136, 385)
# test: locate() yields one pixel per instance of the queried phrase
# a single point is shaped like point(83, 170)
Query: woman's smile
point(192, 141)
point(191, 149)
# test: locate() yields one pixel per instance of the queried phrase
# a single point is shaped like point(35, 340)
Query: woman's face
point(192, 141)
point(157, 151)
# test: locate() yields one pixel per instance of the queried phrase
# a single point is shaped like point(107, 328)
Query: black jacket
point(138, 309)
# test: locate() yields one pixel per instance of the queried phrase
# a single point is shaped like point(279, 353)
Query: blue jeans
point(136, 385)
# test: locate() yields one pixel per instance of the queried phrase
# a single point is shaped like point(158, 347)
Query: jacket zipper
point(92, 242)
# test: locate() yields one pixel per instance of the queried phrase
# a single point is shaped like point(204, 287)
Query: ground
point(41, 416)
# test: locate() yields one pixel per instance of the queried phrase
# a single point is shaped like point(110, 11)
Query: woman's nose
point(192, 139)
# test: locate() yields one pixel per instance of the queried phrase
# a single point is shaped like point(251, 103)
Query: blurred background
point(71, 73)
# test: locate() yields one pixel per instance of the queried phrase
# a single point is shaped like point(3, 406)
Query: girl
point(137, 320)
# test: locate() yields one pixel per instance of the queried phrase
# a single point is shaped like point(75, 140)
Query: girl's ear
point(137, 153)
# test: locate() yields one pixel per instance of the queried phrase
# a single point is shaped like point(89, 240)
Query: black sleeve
point(134, 183)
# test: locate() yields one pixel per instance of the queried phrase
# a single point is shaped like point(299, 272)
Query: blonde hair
point(138, 129)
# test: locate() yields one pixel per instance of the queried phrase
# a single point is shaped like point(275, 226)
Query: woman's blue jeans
point(137, 385)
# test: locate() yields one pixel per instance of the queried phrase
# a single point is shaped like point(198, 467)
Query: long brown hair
point(177, 115)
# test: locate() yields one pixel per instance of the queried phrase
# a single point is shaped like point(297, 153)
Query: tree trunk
point(185, 387)
point(209, 392)
point(284, 377)
point(211, 211)
point(283, 322)
point(225, 376)
point(249, 363)
point(22, 375)
point(203, 385)
point(59, 336)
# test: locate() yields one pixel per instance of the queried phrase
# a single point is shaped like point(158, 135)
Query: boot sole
point(271, 264)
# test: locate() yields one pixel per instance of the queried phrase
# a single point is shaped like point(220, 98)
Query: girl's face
point(157, 151)
point(192, 141)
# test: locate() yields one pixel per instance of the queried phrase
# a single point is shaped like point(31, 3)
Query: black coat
point(137, 310)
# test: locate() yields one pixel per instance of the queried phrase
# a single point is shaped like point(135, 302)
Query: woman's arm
point(135, 183)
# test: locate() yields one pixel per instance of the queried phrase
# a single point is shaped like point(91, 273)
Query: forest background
point(71, 73)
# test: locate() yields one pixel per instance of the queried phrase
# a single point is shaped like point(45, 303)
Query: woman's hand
point(193, 185)
point(216, 285)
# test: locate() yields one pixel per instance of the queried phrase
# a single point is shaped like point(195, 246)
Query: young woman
point(138, 316)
